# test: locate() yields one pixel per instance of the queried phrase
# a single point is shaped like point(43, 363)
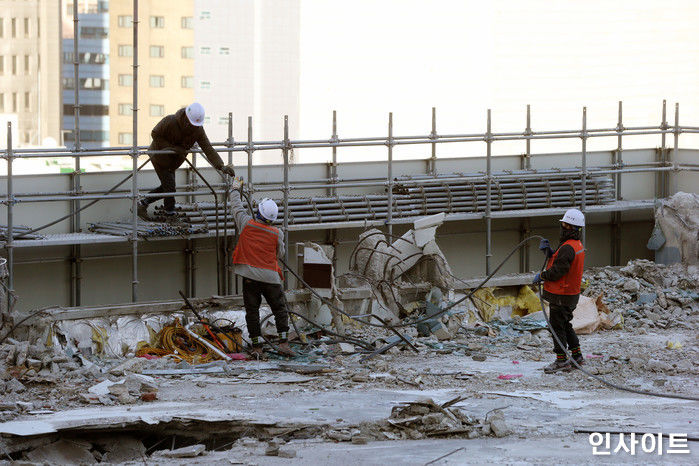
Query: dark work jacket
point(560, 267)
point(175, 132)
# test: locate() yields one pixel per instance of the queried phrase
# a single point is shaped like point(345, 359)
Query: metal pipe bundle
point(17, 230)
point(431, 195)
point(146, 230)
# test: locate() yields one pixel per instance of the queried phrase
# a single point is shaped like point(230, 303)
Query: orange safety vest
point(568, 284)
point(257, 247)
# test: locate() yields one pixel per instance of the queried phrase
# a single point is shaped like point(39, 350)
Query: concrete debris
point(63, 452)
point(185, 452)
point(676, 233)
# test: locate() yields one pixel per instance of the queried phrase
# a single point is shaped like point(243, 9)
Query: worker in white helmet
point(562, 278)
point(259, 246)
point(177, 133)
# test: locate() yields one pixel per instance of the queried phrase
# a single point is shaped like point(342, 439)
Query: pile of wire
point(173, 340)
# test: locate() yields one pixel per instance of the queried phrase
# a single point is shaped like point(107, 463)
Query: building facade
point(30, 69)
point(247, 62)
point(166, 65)
point(93, 74)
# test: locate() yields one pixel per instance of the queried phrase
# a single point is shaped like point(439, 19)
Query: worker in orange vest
point(562, 279)
point(255, 259)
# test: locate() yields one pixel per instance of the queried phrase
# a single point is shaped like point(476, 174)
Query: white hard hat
point(195, 114)
point(574, 217)
point(268, 209)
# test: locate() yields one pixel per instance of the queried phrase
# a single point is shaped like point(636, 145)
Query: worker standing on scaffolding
point(255, 258)
point(178, 133)
point(562, 279)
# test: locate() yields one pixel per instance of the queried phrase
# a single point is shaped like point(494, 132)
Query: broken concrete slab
point(185, 452)
point(63, 451)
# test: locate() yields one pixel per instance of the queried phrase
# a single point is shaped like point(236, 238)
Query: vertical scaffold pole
point(488, 219)
point(583, 177)
point(10, 222)
point(389, 143)
point(285, 152)
point(675, 151)
point(134, 156)
point(76, 266)
point(662, 177)
point(432, 169)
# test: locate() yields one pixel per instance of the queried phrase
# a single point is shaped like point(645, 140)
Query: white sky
point(365, 58)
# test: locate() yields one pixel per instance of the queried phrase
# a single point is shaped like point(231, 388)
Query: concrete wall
point(42, 275)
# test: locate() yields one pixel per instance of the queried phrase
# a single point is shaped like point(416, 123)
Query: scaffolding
point(482, 195)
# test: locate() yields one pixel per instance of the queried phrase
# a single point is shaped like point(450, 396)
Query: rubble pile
point(649, 295)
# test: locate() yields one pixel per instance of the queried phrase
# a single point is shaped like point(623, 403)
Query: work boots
point(578, 358)
point(286, 350)
point(257, 353)
point(142, 211)
point(559, 365)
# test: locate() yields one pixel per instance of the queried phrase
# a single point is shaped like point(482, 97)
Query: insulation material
point(527, 302)
point(678, 220)
point(119, 336)
point(488, 304)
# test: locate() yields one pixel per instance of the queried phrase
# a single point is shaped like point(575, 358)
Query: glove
point(228, 170)
point(537, 279)
point(236, 184)
point(545, 246)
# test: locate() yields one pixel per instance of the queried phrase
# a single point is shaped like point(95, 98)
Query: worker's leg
point(167, 185)
point(274, 295)
point(559, 319)
point(571, 337)
point(252, 297)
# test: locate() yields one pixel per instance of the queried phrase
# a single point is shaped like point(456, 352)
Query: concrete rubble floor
point(303, 411)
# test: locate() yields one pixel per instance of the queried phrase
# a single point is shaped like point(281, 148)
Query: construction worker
point(562, 279)
point(178, 133)
point(255, 259)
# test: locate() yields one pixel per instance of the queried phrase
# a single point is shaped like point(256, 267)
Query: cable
point(25, 233)
point(33, 314)
point(218, 241)
point(595, 376)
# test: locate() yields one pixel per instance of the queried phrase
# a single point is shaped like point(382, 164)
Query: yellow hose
point(174, 340)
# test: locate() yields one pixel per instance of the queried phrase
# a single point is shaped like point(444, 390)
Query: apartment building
point(93, 74)
point(30, 69)
point(166, 65)
point(247, 62)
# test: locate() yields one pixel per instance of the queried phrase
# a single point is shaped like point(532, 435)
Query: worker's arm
point(211, 155)
point(281, 250)
point(561, 265)
point(240, 213)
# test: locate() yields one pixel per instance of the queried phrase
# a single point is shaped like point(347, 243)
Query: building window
point(125, 51)
point(103, 6)
point(206, 85)
point(125, 109)
point(224, 51)
point(205, 50)
point(26, 27)
point(223, 120)
point(87, 58)
point(207, 119)
point(26, 137)
point(14, 27)
point(14, 102)
point(93, 84)
point(2, 64)
point(94, 33)
point(26, 64)
point(157, 81)
point(187, 52)
point(38, 27)
point(14, 64)
point(157, 51)
point(2, 26)
point(157, 110)
point(126, 80)
point(125, 138)
point(187, 82)
point(68, 83)
point(157, 21)
point(187, 22)
point(27, 106)
point(125, 21)
point(2, 102)
point(205, 15)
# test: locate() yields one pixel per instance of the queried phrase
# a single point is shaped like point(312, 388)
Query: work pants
point(561, 317)
point(253, 291)
point(165, 166)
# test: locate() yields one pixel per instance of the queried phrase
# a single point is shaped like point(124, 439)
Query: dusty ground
point(265, 401)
